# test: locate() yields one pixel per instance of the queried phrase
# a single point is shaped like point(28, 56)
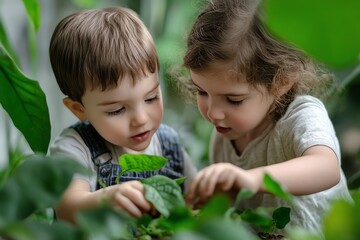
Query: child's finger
point(126, 204)
point(193, 188)
point(208, 183)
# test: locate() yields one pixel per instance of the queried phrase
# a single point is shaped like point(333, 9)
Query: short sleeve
point(307, 124)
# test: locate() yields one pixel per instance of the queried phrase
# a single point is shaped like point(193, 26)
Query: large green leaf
point(25, 102)
point(164, 193)
point(6, 43)
point(31, 230)
point(33, 10)
point(326, 29)
point(104, 223)
point(37, 184)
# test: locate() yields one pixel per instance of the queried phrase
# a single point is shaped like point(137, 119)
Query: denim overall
point(107, 172)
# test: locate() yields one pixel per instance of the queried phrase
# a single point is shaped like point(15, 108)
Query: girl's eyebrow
point(114, 102)
point(195, 84)
point(226, 94)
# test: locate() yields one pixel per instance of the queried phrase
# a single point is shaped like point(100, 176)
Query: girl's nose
point(215, 112)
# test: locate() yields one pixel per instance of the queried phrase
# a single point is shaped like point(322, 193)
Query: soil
point(269, 236)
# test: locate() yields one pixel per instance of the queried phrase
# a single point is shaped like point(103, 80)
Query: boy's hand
point(220, 177)
point(129, 197)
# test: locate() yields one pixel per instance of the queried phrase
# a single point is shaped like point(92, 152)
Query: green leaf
point(216, 207)
point(164, 193)
point(33, 10)
point(326, 29)
point(37, 184)
point(26, 104)
point(342, 221)
point(27, 230)
point(281, 217)
point(258, 217)
point(104, 223)
point(141, 162)
point(6, 44)
point(154, 196)
point(242, 195)
point(273, 187)
point(180, 180)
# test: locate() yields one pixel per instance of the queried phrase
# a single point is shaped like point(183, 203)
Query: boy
point(106, 64)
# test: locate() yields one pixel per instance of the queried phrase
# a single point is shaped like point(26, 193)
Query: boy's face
point(238, 111)
point(127, 115)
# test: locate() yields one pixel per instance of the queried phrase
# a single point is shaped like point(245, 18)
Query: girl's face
point(238, 111)
point(127, 115)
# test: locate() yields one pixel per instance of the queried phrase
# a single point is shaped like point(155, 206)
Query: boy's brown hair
point(97, 48)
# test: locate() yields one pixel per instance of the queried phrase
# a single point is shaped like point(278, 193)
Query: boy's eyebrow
point(113, 102)
point(226, 94)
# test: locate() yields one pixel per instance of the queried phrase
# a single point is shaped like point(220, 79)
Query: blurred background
point(169, 22)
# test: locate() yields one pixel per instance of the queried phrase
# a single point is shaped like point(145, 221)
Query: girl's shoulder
point(305, 105)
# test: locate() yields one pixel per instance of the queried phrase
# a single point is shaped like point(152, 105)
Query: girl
point(256, 90)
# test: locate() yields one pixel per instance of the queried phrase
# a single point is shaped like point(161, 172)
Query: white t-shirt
point(70, 143)
point(305, 124)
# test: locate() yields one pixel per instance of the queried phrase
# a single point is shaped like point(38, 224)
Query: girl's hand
point(221, 177)
point(129, 197)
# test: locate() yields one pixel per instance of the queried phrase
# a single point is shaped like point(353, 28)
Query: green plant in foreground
point(176, 218)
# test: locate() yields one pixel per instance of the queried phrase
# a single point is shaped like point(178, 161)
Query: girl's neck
point(243, 141)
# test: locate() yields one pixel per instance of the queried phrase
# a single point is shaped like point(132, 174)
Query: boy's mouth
point(141, 137)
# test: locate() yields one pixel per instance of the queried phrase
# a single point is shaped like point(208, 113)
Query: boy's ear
point(76, 108)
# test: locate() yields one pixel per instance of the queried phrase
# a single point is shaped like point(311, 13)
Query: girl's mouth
point(222, 129)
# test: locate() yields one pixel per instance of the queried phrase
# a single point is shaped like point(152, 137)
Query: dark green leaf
point(6, 44)
point(37, 230)
point(325, 29)
point(14, 204)
point(26, 104)
point(104, 223)
point(37, 183)
point(281, 217)
point(258, 217)
point(33, 10)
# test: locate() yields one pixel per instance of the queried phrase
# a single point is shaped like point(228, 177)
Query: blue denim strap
point(107, 172)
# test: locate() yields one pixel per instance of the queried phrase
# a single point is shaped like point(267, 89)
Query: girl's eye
point(201, 93)
point(116, 112)
point(235, 102)
point(152, 99)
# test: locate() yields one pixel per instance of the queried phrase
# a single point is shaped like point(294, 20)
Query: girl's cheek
point(202, 106)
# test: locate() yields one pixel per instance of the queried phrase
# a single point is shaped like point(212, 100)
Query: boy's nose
point(139, 118)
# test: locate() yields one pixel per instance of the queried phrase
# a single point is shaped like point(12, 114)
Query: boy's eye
point(116, 112)
point(149, 100)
